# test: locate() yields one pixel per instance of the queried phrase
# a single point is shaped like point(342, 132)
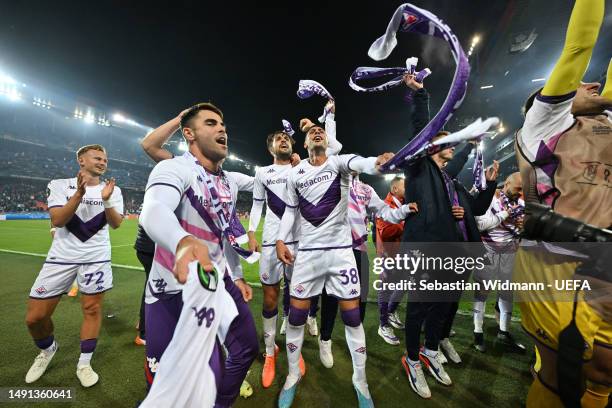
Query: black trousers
point(447, 325)
point(329, 304)
point(146, 260)
point(433, 314)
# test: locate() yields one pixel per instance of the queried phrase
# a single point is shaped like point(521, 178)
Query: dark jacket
point(425, 185)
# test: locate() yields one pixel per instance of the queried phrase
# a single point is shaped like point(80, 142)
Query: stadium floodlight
point(6, 79)
point(13, 95)
point(501, 128)
point(538, 80)
point(117, 117)
point(89, 117)
point(486, 87)
point(475, 40)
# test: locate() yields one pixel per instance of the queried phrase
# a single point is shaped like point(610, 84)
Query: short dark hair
point(193, 111)
point(271, 136)
point(84, 149)
point(529, 102)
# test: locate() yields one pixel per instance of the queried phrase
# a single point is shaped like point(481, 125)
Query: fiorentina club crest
point(41, 290)
point(299, 289)
point(409, 19)
point(265, 276)
point(292, 347)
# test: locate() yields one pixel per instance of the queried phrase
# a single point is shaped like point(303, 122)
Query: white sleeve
point(548, 117)
point(384, 211)
point(244, 182)
point(116, 200)
point(488, 221)
point(289, 218)
point(348, 163)
point(334, 145)
point(56, 197)
point(166, 185)
point(258, 202)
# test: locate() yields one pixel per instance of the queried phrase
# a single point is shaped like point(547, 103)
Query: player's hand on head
point(382, 159)
point(492, 171)
point(295, 159)
point(190, 249)
point(245, 289)
point(411, 82)
point(283, 253)
point(107, 191)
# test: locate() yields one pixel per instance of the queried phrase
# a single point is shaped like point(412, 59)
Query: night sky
point(152, 61)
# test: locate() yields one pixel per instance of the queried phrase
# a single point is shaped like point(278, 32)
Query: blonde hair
point(87, 148)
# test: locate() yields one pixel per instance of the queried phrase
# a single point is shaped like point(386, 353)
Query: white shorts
point(192, 365)
point(271, 270)
point(334, 269)
point(55, 279)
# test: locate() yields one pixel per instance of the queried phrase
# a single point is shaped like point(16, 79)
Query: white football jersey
point(84, 239)
point(321, 193)
point(270, 186)
point(195, 213)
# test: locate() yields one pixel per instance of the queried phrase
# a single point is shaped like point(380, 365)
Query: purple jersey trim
point(76, 263)
point(286, 243)
point(551, 100)
point(325, 248)
point(348, 164)
point(166, 184)
point(96, 293)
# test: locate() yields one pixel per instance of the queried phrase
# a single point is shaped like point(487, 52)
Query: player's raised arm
point(334, 146)
point(368, 165)
point(384, 211)
point(154, 141)
point(582, 31)
point(61, 210)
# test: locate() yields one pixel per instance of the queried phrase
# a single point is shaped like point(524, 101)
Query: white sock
point(356, 342)
point(269, 333)
point(505, 314)
point(84, 359)
point(294, 338)
point(479, 310)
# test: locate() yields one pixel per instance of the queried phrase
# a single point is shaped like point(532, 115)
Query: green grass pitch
point(498, 378)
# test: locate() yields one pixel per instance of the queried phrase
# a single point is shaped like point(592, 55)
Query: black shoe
point(479, 344)
point(508, 340)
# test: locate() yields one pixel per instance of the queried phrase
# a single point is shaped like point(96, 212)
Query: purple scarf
point(513, 214)
point(478, 171)
point(308, 88)
point(397, 74)
point(475, 131)
point(226, 221)
point(408, 18)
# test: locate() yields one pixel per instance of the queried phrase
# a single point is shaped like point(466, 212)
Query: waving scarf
point(411, 19)
point(308, 88)
point(478, 171)
point(397, 75)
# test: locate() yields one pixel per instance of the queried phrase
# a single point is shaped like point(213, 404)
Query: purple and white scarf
point(398, 73)
point(478, 171)
point(308, 88)
point(513, 213)
point(227, 220)
point(408, 18)
point(287, 128)
point(475, 131)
